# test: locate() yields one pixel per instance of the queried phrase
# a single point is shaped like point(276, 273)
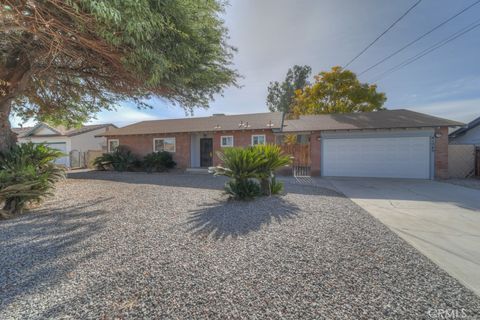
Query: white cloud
point(17, 122)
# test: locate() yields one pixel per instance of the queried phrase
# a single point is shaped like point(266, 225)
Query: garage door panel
point(396, 157)
point(62, 147)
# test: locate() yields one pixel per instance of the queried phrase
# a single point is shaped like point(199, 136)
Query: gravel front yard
point(134, 245)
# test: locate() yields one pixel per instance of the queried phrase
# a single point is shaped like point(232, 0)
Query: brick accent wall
point(441, 153)
point(141, 145)
point(240, 139)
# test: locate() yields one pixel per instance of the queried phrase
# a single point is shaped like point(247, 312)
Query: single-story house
point(66, 140)
point(390, 143)
point(469, 134)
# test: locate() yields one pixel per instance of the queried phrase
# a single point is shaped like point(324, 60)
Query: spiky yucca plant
point(27, 174)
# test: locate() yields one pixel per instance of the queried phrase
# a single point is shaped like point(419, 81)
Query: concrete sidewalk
point(441, 220)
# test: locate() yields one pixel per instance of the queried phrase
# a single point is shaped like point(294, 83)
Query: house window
point(258, 139)
point(226, 141)
point(112, 145)
point(164, 144)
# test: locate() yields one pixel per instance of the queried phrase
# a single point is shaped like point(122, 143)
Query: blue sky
point(273, 35)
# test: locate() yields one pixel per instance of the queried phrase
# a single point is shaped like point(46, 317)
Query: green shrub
point(272, 159)
point(238, 163)
point(27, 175)
point(276, 187)
point(121, 159)
point(244, 164)
point(158, 161)
point(242, 189)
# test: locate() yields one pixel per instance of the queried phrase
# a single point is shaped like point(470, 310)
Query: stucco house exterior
point(390, 143)
point(66, 140)
point(469, 134)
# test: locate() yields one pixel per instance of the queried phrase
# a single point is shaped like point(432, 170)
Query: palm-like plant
point(238, 163)
point(27, 174)
point(241, 166)
point(272, 159)
point(244, 164)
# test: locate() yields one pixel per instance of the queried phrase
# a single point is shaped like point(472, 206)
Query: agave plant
point(27, 174)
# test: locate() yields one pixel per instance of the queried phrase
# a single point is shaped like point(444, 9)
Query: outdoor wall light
point(438, 135)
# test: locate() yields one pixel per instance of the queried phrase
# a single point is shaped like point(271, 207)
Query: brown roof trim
point(386, 119)
point(254, 121)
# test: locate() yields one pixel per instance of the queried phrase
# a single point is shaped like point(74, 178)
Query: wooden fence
point(461, 160)
point(300, 154)
point(477, 162)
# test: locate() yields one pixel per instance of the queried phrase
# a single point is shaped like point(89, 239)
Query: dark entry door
point(206, 152)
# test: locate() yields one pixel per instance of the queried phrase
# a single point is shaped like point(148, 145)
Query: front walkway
point(441, 220)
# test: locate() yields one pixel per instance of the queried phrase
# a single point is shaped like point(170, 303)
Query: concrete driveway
point(439, 219)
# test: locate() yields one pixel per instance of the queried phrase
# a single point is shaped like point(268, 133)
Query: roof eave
point(90, 130)
point(42, 124)
point(106, 134)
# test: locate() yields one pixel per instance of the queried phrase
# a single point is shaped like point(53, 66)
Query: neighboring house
point(80, 139)
point(390, 143)
point(464, 150)
point(469, 134)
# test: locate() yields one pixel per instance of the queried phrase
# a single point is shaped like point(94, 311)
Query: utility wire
point(430, 49)
point(383, 33)
point(419, 38)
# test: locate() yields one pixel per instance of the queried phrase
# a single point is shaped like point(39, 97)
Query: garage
point(380, 156)
point(62, 147)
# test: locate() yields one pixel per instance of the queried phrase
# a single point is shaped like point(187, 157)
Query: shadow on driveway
point(32, 247)
point(238, 218)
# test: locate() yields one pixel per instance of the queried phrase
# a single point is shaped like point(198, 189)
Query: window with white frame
point(164, 144)
point(226, 141)
point(258, 139)
point(112, 145)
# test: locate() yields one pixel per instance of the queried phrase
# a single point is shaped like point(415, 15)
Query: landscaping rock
point(134, 245)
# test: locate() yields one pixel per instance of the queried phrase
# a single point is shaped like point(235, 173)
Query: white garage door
point(61, 146)
point(389, 157)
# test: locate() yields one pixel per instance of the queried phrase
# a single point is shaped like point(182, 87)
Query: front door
point(206, 152)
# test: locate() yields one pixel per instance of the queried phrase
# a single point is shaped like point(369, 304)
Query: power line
point(383, 33)
point(430, 49)
point(419, 38)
